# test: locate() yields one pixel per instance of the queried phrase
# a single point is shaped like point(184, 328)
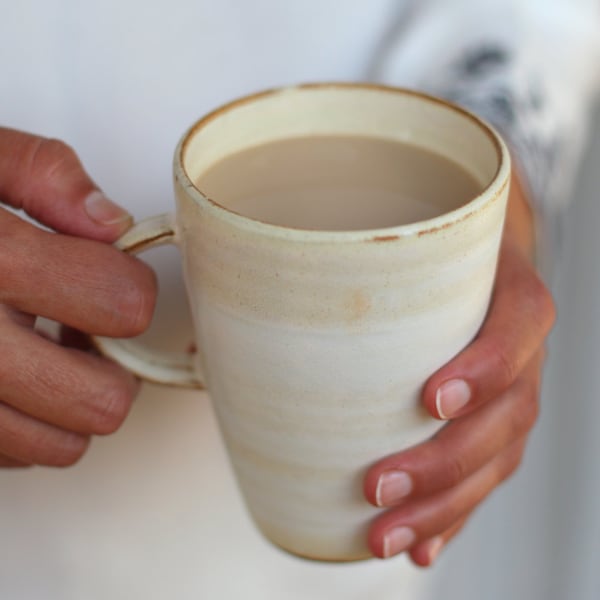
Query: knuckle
point(44, 163)
point(136, 303)
point(111, 408)
point(18, 241)
point(510, 463)
point(36, 442)
point(505, 369)
point(527, 413)
point(542, 305)
point(456, 470)
point(49, 157)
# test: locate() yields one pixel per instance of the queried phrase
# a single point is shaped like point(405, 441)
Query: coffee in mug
point(338, 183)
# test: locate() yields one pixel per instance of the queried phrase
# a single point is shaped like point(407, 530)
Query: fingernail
point(392, 486)
point(397, 540)
point(435, 545)
point(104, 211)
point(451, 397)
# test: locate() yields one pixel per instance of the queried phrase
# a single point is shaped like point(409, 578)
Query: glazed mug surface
point(314, 345)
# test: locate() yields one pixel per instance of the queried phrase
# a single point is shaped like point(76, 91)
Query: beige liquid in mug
point(338, 183)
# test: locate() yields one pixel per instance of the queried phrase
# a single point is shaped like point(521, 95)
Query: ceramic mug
point(314, 345)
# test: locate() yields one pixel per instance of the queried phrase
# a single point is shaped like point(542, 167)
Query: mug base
point(328, 559)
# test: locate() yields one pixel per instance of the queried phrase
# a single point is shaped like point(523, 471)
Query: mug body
point(315, 345)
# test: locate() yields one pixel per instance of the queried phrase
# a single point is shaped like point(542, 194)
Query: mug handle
point(168, 368)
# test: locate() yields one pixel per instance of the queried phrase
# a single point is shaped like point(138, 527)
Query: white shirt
point(152, 512)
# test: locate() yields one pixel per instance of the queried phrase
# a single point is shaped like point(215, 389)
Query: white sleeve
point(529, 67)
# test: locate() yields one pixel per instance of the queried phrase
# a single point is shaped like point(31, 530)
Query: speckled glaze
point(314, 345)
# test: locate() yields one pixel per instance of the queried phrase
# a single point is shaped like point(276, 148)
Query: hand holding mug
point(433, 488)
point(53, 397)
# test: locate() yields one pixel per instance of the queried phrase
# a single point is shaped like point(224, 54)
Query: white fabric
point(152, 511)
point(531, 68)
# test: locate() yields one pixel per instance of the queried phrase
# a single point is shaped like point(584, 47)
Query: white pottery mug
point(315, 345)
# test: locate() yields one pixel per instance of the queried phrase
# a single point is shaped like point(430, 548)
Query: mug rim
point(487, 195)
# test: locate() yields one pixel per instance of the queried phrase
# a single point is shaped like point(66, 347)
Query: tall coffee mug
point(315, 345)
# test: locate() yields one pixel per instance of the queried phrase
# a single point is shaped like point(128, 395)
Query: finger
point(29, 441)
point(425, 553)
point(459, 449)
point(66, 388)
point(403, 527)
point(85, 284)
point(10, 463)
point(45, 178)
point(520, 317)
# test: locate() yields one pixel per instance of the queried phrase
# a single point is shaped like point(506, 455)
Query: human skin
point(55, 395)
point(53, 398)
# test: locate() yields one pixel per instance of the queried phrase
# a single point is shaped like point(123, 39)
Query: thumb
point(46, 179)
